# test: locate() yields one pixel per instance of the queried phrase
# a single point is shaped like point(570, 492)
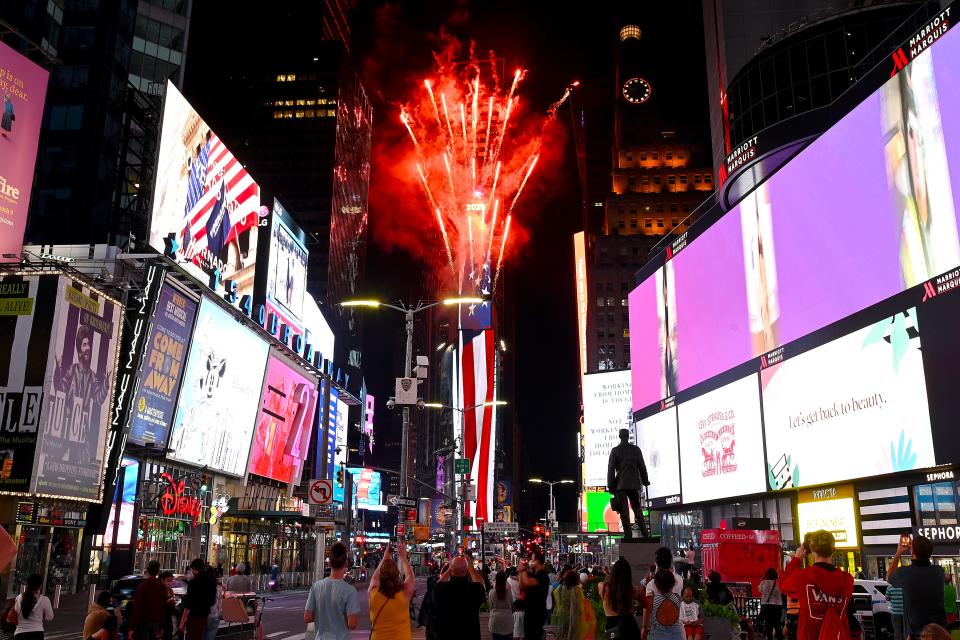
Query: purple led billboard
point(866, 211)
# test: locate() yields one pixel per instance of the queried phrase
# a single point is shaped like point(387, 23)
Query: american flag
point(476, 385)
point(222, 200)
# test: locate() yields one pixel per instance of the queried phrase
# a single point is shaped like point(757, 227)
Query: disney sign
point(173, 502)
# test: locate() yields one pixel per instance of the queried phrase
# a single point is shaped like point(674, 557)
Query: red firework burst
point(470, 163)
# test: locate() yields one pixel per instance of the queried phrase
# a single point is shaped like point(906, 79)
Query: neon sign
point(173, 502)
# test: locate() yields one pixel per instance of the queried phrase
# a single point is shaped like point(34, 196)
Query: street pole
point(405, 434)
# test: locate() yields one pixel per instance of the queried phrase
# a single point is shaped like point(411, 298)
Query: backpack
point(832, 627)
point(669, 611)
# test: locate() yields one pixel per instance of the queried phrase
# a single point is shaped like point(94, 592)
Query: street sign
point(501, 528)
point(551, 515)
point(462, 466)
point(471, 493)
point(401, 530)
point(321, 492)
point(409, 515)
point(402, 501)
point(405, 392)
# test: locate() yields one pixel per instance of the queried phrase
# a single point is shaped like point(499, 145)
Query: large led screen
point(287, 268)
point(124, 501)
point(282, 437)
point(367, 489)
point(220, 394)
point(318, 331)
point(81, 370)
point(596, 515)
point(864, 212)
point(721, 442)
point(205, 205)
point(862, 393)
point(23, 86)
point(658, 441)
point(162, 372)
point(606, 410)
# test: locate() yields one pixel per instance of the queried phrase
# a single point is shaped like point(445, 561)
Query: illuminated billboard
point(658, 441)
point(206, 207)
point(367, 489)
point(220, 394)
point(831, 509)
point(606, 410)
point(596, 515)
point(81, 371)
point(23, 87)
point(27, 310)
point(863, 392)
point(165, 355)
point(866, 211)
point(285, 423)
point(580, 274)
point(721, 442)
point(286, 278)
point(318, 331)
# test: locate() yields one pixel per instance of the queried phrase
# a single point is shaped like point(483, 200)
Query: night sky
point(393, 44)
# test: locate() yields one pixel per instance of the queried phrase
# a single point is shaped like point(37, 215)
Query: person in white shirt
point(513, 582)
point(664, 560)
point(691, 615)
point(33, 609)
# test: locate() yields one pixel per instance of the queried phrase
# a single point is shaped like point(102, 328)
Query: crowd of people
point(809, 599)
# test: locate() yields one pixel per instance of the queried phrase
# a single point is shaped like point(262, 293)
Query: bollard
point(93, 595)
point(56, 596)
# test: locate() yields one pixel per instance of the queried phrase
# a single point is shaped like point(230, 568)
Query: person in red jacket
point(819, 588)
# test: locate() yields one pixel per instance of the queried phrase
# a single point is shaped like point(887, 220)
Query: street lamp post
point(553, 506)
point(408, 311)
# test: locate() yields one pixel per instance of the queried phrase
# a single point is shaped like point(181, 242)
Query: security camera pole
point(408, 311)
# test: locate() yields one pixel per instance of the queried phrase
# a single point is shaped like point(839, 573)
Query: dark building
point(660, 175)
point(301, 122)
point(109, 62)
point(773, 62)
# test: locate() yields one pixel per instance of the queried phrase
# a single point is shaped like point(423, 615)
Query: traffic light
point(340, 477)
point(538, 529)
point(548, 534)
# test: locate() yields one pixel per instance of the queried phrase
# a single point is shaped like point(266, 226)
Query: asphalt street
point(282, 618)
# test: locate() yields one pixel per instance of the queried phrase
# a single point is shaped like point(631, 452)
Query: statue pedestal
point(639, 553)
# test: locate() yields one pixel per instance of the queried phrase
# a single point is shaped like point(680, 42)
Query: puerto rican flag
point(476, 384)
point(222, 200)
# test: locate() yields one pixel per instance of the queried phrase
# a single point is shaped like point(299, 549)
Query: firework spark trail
point(453, 190)
point(476, 98)
point(405, 119)
point(470, 239)
point(486, 156)
point(493, 225)
point(446, 114)
point(503, 246)
point(463, 125)
point(526, 177)
point(446, 241)
point(433, 101)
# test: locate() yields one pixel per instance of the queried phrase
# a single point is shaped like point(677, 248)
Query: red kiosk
point(741, 555)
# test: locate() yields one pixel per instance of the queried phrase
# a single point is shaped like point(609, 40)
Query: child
point(691, 615)
point(518, 619)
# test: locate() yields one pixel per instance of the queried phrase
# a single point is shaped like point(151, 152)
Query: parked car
point(876, 619)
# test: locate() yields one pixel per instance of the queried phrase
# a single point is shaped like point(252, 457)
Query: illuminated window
point(643, 155)
point(671, 179)
point(609, 302)
point(291, 77)
point(311, 103)
point(706, 179)
point(669, 155)
point(331, 113)
point(281, 78)
point(623, 302)
point(288, 103)
point(656, 155)
point(600, 301)
point(683, 179)
point(298, 114)
point(629, 31)
point(278, 114)
point(660, 223)
point(288, 114)
point(311, 113)
point(301, 102)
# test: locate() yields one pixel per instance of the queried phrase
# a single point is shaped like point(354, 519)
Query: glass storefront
point(48, 536)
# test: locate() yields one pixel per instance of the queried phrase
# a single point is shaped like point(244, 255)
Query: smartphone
point(806, 544)
point(906, 540)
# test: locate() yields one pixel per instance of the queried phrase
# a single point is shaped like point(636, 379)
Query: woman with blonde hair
point(391, 588)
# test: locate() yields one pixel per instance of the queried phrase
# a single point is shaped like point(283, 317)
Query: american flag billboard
point(206, 207)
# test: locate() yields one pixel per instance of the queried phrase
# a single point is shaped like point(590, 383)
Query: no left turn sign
point(321, 492)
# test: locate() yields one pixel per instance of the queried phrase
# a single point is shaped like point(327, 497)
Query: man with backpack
point(823, 590)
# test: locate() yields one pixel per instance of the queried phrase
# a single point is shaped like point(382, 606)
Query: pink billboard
point(282, 437)
point(23, 86)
